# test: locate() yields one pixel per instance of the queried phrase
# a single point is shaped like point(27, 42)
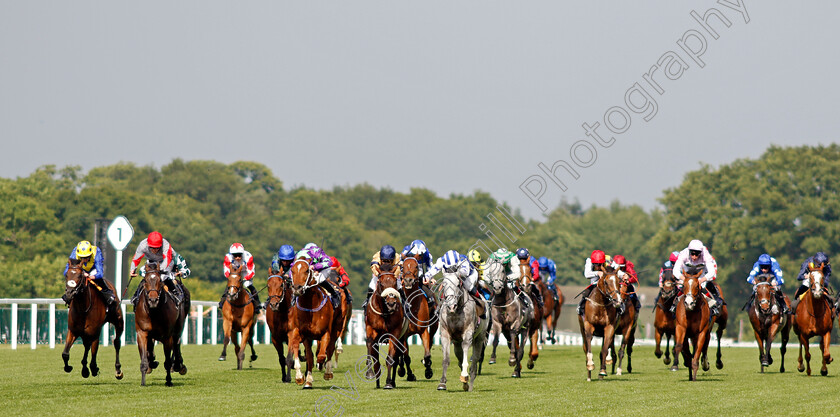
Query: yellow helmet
point(84, 249)
point(474, 256)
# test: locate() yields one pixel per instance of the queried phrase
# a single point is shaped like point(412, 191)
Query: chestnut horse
point(600, 318)
point(551, 310)
point(385, 323)
point(346, 309)
point(157, 316)
point(313, 319)
point(626, 327)
point(239, 316)
point(814, 316)
point(85, 318)
point(422, 318)
point(277, 316)
point(527, 285)
point(766, 324)
point(694, 324)
point(664, 322)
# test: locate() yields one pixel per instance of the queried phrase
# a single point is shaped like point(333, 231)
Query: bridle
point(79, 285)
point(383, 293)
point(765, 307)
point(280, 298)
point(410, 279)
point(310, 276)
point(612, 295)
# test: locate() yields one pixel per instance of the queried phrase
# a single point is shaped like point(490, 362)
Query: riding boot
point(336, 299)
point(347, 294)
point(636, 302)
point(64, 298)
point(173, 289)
point(554, 293)
point(780, 298)
point(584, 295)
point(795, 302)
point(521, 294)
point(222, 301)
point(480, 304)
point(714, 306)
point(136, 295)
point(430, 296)
point(107, 294)
point(538, 296)
point(255, 298)
point(367, 298)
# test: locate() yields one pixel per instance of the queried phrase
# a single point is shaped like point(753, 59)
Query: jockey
point(548, 271)
point(809, 264)
point(474, 258)
point(419, 251)
point(767, 264)
point(512, 274)
point(667, 269)
point(93, 265)
point(281, 263)
point(627, 272)
point(157, 249)
point(388, 259)
point(320, 262)
point(524, 254)
point(180, 269)
point(238, 254)
point(344, 279)
point(694, 254)
point(454, 263)
point(594, 265)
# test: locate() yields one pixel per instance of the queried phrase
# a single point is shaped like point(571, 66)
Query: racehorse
point(814, 316)
point(600, 318)
point(346, 309)
point(239, 316)
point(277, 316)
point(694, 322)
point(157, 316)
point(664, 322)
point(766, 324)
point(422, 318)
point(313, 318)
point(511, 315)
point(537, 318)
point(85, 318)
point(626, 327)
point(550, 311)
point(460, 324)
point(385, 322)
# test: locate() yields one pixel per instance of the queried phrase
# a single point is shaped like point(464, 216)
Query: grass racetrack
point(33, 383)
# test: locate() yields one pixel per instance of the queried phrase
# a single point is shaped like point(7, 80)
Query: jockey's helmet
point(236, 249)
point(84, 249)
point(522, 253)
point(155, 240)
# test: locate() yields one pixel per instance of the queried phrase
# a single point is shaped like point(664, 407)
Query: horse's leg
point(679, 340)
point(94, 349)
point(407, 357)
point(785, 338)
point(621, 354)
point(294, 352)
point(227, 325)
point(761, 355)
point(587, 330)
point(495, 330)
point(253, 333)
point(85, 371)
point(535, 352)
point(631, 340)
point(150, 349)
point(167, 361)
point(807, 356)
point(310, 364)
point(71, 338)
point(825, 344)
point(466, 341)
point(657, 338)
point(609, 334)
point(719, 333)
point(177, 359)
point(801, 367)
point(444, 346)
point(240, 350)
point(400, 362)
point(427, 353)
point(142, 346)
point(119, 327)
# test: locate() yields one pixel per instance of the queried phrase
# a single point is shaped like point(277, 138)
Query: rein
point(310, 310)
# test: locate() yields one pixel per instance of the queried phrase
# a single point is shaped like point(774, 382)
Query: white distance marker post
point(120, 234)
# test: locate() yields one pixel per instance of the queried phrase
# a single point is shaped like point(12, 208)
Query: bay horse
point(346, 309)
point(551, 310)
point(460, 324)
point(766, 324)
point(600, 318)
point(422, 318)
point(157, 316)
point(527, 285)
point(385, 322)
point(239, 316)
point(313, 319)
point(626, 327)
point(512, 316)
point(693, 324)
point(85, 317)
point(277, 316)
point(664, 322)
point(814, 316)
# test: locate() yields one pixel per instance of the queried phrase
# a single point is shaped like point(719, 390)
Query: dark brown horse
point(157, 316)
point(385, 323)
point(551, 311)
point(277, 316)
point(765, 323)
point(664, 322)
point(693, 324)
point(422, 318)
point(239, 316)
point(600, 318)
point(626, 327)
point(85, 318)
point(814, 316)
point(313, 319)
point(527, 285)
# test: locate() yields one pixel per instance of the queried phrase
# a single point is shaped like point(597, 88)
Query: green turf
point(33, 383)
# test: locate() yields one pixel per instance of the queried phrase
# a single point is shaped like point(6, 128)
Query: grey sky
point(452, 96)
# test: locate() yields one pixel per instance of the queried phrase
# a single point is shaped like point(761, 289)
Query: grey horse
point(510, 315)
point(460, 324)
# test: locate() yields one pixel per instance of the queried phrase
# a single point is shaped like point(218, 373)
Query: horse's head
point(691, 286)
point(496, 271)
point(277, 287)
point(610, 286)
point(234, 281)
point(386, 288)
point(410, 273)
point(525, 272)
point(763, 296)
point(450, 292)
point(302, 277)
point(816, 279)
point(152, 284)
point(74, 279)
point(669, 283)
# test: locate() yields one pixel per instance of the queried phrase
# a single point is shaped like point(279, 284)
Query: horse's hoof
point(68, 368)
point(588, 379)
point(706, 367)
point(464, 379)
point(183, 370)
point(530, 364)
point(491, 362)
point(94, 371)
point(85, 373)
point(441, 387)
point(299, 381)
point(388, 386)
point(800, 368)
point(340, 350)
point(466, 386)
point(782, 370)
point(308, 385)
point(253, 358)
point(512, 362)
point(765, 363)
point(658, 354)
point(674, 368)
point(823, 372)
point(667, 360)
point(618, 372)
point(769, 359)
point(719, 364)
point(602, 374)
point(429, 373)
point(327, 376)
point(119, 375)
point(590, 367)
point(287, 380)
point(600, 377)
point(169, 383)
point(401, 372)
point(222, 358)
point(412, 378)
point(153, 364)
point(514, 375)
